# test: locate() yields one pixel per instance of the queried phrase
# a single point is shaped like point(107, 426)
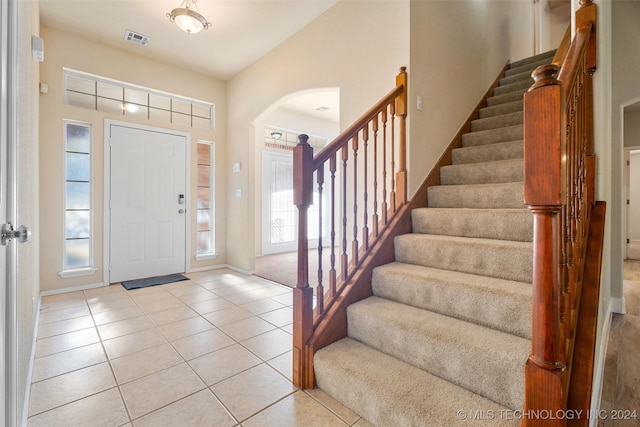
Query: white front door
point(279, 215)
point(148, 203)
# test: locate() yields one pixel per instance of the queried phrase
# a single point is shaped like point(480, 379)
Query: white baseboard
point(598, 374)
point(618, 305)
point(72, 289)
point(32, 356)
point(207, 268)
point(241, 270)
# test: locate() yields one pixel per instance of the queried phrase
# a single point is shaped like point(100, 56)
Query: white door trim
point(9, 413)
point(107, 189)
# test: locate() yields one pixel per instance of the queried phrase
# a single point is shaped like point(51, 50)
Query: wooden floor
point(621, 383)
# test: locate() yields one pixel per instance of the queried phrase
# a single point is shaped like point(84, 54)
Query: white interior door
point(8, 264)
point(148, 203)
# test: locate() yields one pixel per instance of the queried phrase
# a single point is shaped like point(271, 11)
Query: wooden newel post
point(302, 293)
point(401, 113)
point(544, 158)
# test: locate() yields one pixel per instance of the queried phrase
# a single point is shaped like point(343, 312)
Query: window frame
point(89, 269)
point(212, 235)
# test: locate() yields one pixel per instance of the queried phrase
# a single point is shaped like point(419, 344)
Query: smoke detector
point(136, 38)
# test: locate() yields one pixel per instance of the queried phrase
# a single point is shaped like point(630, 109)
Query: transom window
point(116, 97)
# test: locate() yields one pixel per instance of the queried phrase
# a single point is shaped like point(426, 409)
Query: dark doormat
point(152, 281)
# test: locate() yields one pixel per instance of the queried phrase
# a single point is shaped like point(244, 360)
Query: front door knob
point(22, 234)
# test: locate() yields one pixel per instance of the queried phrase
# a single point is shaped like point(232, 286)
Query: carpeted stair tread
point(504, 305)
point(448, 326)
point(477, 196)
point(502, 259)
point(499, 224)
point(483, 173)
point(507, 97)
point(497, 110)
point(525, 75)
point(527, 67)
point(445, 347)
point(484, 153)
point(492, 136)
point(388, 392)
point(548, 56)
point(508, 119)
point(513, 87)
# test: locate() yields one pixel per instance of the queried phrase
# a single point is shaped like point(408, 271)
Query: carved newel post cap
point(303, 139)
point(545, 75)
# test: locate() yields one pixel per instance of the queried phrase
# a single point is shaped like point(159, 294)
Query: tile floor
point(211, 351)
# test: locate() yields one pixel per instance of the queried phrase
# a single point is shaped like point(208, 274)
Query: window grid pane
point(116, 97)
point(77, 226)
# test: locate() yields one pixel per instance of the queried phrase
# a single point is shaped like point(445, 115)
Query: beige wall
point(631, 135)
point(63, 50)
point(624, 48)
point(28, 253)
point(356, 46)
point(466, 44)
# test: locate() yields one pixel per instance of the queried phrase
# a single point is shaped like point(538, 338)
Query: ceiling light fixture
point(187, 18)
point(276, 135)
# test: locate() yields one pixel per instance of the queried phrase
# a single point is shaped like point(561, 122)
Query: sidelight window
point(205, 240)
point(78, 254)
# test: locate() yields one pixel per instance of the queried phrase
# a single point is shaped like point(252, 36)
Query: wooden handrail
point(367, 184)
point(559, 170)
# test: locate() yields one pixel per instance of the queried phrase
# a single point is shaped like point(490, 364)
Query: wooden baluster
point(345, 259)
point(332, 208)
point(365, 218)
point(302, 293)
point(354, 241)
point(392, 119)
point(401, 112)
point(384, 207)
point(374, 220)
point(320, 287)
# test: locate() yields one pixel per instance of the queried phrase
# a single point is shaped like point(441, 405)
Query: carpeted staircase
point(448, 327)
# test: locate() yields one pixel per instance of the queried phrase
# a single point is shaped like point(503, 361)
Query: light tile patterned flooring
point(211, 351)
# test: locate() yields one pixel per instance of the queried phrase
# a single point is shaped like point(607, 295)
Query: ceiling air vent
point(136, 38)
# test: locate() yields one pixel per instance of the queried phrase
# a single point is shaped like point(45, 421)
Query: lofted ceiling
point(242, 31)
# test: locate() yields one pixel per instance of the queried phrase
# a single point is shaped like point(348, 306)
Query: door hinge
point(628, 163)
point(628, 201)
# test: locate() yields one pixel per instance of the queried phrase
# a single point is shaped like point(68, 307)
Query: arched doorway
point(316, 113)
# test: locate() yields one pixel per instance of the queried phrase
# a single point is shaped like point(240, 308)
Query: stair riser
point(497, 224)
point(491, 258)
point(496, 196)
point(510, 119)
point(484, 153)
point(499, 304)
point(444, 347)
